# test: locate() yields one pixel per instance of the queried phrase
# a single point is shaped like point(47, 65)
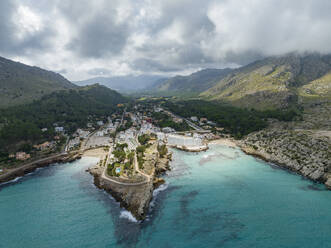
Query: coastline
point(267, 158)
point(32, 166)
point(135, 197)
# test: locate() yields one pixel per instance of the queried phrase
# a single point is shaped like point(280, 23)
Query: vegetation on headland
point(236, 121)
point(163, 150)
point(140, 150)
point(123, 159)
point(143, 139)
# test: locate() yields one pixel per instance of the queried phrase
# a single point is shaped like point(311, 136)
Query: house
point(44, 129)
point(22, 156)
point(59, 129)
point(43, 146)
point(194, 118)
point(158, 109)
point(100, 133)
point(202, 120)
point(100, 123)
point(177, 120)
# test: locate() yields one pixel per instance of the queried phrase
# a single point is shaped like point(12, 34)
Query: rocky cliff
point(134, 196)
point(305, 152)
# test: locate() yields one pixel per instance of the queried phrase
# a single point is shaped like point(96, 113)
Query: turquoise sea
point(218, 198)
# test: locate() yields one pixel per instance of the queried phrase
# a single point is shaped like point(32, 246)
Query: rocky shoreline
point(31, 167)
point(299, 152)
point(136, 196)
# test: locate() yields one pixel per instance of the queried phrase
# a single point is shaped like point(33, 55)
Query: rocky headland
point(135, 195)
point(306, 152)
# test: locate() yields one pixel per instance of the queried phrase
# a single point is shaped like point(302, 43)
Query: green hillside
point(71, 109)
point(20, 84)
point(275, 82)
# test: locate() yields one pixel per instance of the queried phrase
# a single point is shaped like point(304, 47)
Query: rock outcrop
point(134, 196)
point(299, 151)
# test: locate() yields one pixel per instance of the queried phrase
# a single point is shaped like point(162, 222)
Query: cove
point(218, 198)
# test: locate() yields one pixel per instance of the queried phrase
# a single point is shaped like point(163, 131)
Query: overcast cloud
point(84, 38)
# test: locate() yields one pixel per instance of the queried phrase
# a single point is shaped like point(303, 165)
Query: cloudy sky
point(85, 38)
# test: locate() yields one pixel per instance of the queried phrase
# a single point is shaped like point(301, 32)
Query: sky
point(83, 39)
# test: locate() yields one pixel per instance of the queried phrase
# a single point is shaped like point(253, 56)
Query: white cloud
point(166, 36)
point(27, 22)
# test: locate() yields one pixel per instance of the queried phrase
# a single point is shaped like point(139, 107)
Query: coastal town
point(132, 147)
point(132, 166)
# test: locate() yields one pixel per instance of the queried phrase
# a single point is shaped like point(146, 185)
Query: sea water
point(217, 198)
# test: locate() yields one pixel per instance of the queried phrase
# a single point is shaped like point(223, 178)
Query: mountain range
point(125, 84)
point(273, 82)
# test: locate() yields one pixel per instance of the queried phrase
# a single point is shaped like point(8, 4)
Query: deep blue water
point(218, 198)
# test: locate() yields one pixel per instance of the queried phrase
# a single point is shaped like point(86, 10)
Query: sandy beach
point(97, 153)
point(224, 141)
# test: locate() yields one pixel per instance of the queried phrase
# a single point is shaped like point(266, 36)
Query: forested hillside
point(235, 121)
point(20, 83)
point(70, 109)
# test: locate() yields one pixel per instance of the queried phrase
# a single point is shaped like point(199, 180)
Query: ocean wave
point(155, 194)
point(162, 187)
point(127, 215)
point(11, 181)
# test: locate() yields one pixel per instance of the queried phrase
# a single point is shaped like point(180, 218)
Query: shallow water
point(218, 198)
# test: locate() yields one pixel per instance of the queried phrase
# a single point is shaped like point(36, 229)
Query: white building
point(179, 140)
point(59, 129)
point(194, 118)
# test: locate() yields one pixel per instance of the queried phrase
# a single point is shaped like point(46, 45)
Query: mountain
point(20, 83)
point(125, 84)
point(276, 82)
point(195, 83)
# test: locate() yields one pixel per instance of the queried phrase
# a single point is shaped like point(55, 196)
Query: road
point(191, 124)
point(124, 111)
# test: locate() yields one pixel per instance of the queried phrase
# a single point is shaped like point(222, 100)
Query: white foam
point(161, 188)
point(127, 215)
point(11, 181)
